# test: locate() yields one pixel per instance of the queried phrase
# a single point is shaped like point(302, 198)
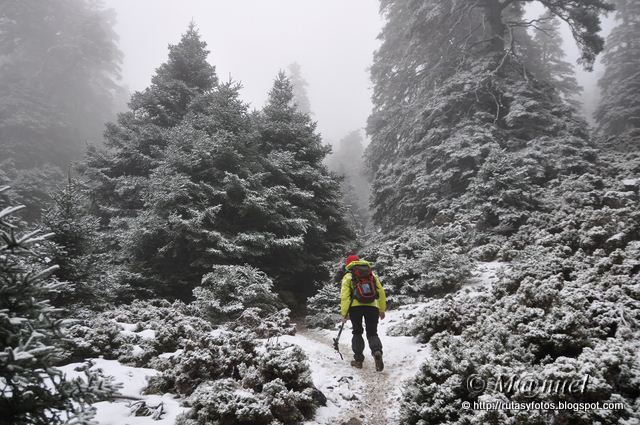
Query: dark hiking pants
point(370, 315)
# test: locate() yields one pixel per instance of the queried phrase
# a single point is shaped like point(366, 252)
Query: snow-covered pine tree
point(300, 97)
point(449, 93)
point(121, 177)
point(137, 141)
point(288, 139)
point(198, 181)
point(77, 245)
point(204, 204)
point(619, 108)
point(33, 390)
point(549, 62)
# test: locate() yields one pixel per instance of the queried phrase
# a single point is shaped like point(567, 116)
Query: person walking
point(363, 297)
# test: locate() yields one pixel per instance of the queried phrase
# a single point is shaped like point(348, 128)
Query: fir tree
point(619, 109)
point(177, 82)
point(549, 64)
point(33, 390)
point(200, 182)
point(77, 246)
point(300, 97)
point(450, 90)
point(289, 140)
point(204, 204)
point(137, 141)
point(59, 78)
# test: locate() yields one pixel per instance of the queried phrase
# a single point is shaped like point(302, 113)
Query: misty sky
point(332, 40)
point(250, 40)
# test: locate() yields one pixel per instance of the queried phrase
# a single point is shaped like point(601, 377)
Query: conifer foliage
point(58, 77)
point(619, 108)
point(451, 97)
point(76, 247)
point(549, 62)
point(32, 390)
point(300, 97)
point(192, 179)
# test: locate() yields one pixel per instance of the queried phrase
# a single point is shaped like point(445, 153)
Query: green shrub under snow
point(569, 305)
point(227, 378)
point(228, 291)
point(154, 327)
point(215, 355)
point(242, 297)
point(32, 390)
point(237, 297)
point(422, 263)
point(324, 307)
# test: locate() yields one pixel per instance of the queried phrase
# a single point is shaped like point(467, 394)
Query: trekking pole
point(336, 339)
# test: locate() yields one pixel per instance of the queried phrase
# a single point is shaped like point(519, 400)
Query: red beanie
point(350, 259)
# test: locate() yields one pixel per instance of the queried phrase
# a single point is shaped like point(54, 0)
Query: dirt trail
point(364, 396)
point(371, 390)
point(361, 396)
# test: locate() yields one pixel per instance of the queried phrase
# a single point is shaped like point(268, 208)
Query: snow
point(350, 392)
point(617, 237)
point(130, 329)
point(133, 380)
point(137, 351)
point(486, 273)
point(147, 334)
point(347, 388)
point(169, 355)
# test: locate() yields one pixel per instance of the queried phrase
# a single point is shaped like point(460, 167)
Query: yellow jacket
point(346, 291)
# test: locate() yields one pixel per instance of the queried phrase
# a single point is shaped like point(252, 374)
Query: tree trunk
point(496, 27)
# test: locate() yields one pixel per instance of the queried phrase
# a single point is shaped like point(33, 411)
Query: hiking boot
point(378, 359)
point(356, 363)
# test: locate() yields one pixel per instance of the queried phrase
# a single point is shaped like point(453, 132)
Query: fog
point(251, 40)
point(588, 80)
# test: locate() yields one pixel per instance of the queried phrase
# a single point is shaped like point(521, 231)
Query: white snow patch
point(137, 351)
point(617, 237)
point(147, 334)
point(133, 380)
point(486, 274)
point(170, 355)
point(130, 329)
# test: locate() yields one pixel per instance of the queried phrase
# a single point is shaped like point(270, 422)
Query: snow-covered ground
point(484, 276)
point(365, 396)
point(360, 396)
point(354, 396)
point(133, 381)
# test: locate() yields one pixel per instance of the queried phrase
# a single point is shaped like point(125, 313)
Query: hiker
point(362, 296)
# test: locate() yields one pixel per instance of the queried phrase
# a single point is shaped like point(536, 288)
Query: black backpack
point(364, 284)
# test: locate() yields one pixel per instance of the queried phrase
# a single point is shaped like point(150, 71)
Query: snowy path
point(363, 396)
